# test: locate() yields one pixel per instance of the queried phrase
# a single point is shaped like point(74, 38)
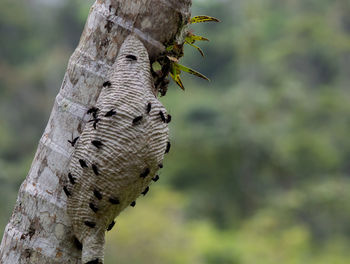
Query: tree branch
point(39, 230)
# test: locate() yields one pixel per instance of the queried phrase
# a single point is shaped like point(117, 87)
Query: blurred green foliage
point(258, 171)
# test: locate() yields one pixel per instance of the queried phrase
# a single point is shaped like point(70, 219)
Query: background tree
point(260, 155)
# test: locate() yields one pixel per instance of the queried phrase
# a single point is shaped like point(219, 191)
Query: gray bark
point(39, 230)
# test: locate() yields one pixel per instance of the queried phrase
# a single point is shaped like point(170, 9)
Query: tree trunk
point(39, 230)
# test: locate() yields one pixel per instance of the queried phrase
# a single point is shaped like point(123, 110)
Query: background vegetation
point(259, 168)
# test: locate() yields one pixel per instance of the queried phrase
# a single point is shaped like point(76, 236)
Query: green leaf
point(200, 19)
point(156, 66)
point(190, 71)
point(170, 48)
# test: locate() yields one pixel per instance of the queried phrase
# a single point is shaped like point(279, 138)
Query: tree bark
point(39, 230)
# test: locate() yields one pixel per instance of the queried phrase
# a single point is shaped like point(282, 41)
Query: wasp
point(107, 84)
point(148, 108)
point(93, 111)
point(71, 178)
point(65, 189)
point(131, 57)
point(145, 173)
point(162, 116)
point(83, 163)
point(97, 194)
point(168, 120)
point(145, 191)
point(95, 120)
point(93, 207)
point(137, 120)
point(156, 178)
point(114, 201)
point(95, 261)
point(95, 169)
point(168, 145)
point(90, 224)
point(111, 225)
point(110, 113)
point(73, 141)
point(98, 144)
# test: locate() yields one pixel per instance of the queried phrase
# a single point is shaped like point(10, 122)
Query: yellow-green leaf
point(193, 38)
point(175, 75)
point(199, 38)
point(190, 71)
point(198, 48)
point(177, 80)
point(200, 19)
point(189, 40)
